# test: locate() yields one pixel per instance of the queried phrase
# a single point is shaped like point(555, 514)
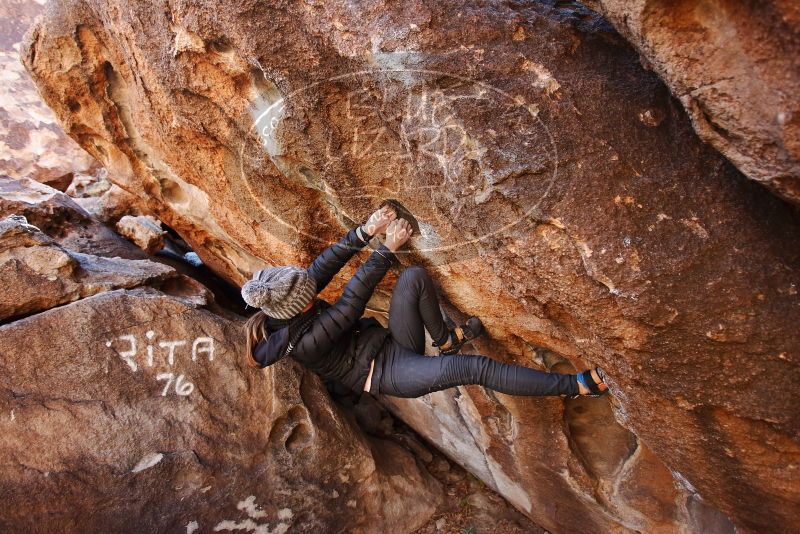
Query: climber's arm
point(270, 350)
point(333, 258)
point(345, 312)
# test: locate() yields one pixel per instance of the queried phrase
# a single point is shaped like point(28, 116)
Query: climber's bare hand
point(379, 221)
point(398, 232)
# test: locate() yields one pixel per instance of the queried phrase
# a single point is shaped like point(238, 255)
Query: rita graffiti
point(164, 352)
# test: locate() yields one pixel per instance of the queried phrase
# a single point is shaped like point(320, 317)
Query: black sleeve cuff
point(385, 253)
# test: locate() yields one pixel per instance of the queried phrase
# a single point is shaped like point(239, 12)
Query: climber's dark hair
point(255, 329)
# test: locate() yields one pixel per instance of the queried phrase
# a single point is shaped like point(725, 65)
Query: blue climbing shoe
point(587, 380)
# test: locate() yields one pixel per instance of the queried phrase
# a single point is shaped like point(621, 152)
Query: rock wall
point(735, 67)
point(127, 407)
point(562, 195)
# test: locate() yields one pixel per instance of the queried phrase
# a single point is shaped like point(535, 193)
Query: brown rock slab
point(133, 410)
point(39, 274)
point(60, 218)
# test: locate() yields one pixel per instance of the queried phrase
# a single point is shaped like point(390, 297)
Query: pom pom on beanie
point(281, 292)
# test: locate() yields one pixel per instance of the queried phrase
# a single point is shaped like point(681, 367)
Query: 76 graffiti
point(168, 352)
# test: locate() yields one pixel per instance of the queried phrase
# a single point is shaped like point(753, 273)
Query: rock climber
point(340, 345)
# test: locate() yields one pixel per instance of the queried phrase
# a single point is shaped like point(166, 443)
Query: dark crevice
point(174, 254)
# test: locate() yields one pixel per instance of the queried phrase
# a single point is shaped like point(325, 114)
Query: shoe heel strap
point(588, 382)
point(458, 335)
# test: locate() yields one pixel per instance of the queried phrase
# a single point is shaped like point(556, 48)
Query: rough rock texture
point(102, 199)
point(132, 409)
point(562, 195)
point(38, 274)
point(188, 438)
point(145, 231)
point(735, 66)
point(31, 142)
point(62, 219)
point(469, 505)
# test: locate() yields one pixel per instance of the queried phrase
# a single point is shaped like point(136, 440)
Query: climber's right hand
point(379, 221)
point(398, 232)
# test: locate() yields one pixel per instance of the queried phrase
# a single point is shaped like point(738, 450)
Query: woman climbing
point(337, 343)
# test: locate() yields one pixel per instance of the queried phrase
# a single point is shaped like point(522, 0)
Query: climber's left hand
point(379, 220)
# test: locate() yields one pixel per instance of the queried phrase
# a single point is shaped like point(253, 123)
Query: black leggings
point(401, 369)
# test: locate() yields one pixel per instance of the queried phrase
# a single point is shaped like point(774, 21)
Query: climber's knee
point(413, 276)
point(414, 272)
point(480, 366)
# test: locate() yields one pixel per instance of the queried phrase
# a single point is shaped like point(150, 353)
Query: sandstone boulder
point(38, 274)
point(33, 144)
point(60, 218)
point(143, 230)
point(133, 410)
point(562, 196)
point(87, 185)
point(102, 199)
point(81, 384)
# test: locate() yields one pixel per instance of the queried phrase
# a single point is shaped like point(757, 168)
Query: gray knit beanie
point(281, 292)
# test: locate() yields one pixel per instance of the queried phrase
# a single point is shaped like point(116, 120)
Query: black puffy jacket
point(340, 344)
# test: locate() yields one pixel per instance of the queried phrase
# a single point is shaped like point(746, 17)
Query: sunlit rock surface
point(31, 142)
point(143, 230)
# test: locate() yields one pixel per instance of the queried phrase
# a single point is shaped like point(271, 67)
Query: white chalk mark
point(128, 355)
point(249, 506)
point(169, 377)
point(191, 527)
point(253, 511)
point(183, 388)
point(247, 525)
point(200, 345)
point(208, 348)
point(171, 345)
point(148, 461)
point(12, 415)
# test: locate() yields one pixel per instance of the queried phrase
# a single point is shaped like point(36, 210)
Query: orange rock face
point(562, 196)
point(735, 67)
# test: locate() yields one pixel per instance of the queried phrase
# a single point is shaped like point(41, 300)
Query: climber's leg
point(404, 373)
point(415, 307)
